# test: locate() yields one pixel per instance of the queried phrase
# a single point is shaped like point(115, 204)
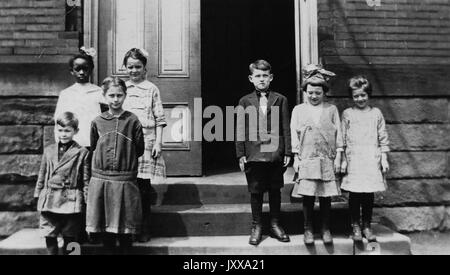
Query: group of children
point(96, 178)
point(322, 146)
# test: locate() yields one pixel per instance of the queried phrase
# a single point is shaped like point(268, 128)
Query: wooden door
point(170, 31)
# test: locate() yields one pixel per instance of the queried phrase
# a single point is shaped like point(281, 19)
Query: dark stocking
point(367, 209)
point(275, 204)
point(52, 245)
point(67, 241)
point(145, 190)
point(308, 211)
point(325, 212)
point(257, 204)
point(109, 243)
point(354, 203)
point(125, 242)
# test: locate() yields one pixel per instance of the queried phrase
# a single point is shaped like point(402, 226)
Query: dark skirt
point(264, 176)
point(113, 206)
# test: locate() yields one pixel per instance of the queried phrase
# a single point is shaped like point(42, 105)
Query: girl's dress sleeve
point(139, 137)
point(383, 140)
point(337, 124)
point(86, 174)
point(158, 109)
point(294, 136)
point(344, 128)
point(94, 137)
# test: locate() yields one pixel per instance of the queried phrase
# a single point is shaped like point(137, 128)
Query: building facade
point(200, 49)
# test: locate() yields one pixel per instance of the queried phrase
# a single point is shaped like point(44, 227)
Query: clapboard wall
point(403, 47)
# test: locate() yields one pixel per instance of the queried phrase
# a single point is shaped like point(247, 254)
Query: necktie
point(263, 103)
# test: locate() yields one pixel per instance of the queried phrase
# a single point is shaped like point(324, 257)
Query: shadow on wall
point(377, 79)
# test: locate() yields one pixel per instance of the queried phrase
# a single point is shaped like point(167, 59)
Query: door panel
point(170, 31)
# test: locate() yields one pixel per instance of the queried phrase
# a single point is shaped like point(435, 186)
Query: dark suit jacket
point(258, 146)
point(61, 184)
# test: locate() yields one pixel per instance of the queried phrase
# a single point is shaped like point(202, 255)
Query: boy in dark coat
point(263, 147)
point(63, 177)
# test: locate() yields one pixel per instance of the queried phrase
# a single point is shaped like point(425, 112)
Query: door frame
point(306, 35)
point(90, 32)
point(306, 39)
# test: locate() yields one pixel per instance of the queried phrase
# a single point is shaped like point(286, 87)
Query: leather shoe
point(367, 231)
point(326, 237)
point(356, 235)
point(308, 237)
point(144, 238)
point(256, 235)
point(277, 232)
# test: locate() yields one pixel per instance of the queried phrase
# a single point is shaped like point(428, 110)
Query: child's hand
point(337, 162)
point(287, 160)
point(296, 165)
point(242, 162)
point(384, 165)
point(344, 165)
point(337, 166)
point(156, 151)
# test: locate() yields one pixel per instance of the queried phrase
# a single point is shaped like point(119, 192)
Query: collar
point(66, 146)
point(87, 87)
point(258, 93)
point(144, 85)
point(106, 115)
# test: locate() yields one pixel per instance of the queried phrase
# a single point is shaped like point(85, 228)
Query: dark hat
point(316, 75)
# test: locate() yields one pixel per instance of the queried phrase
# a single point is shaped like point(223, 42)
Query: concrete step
point(223, 188)
point(233, 219)
point(29, 242)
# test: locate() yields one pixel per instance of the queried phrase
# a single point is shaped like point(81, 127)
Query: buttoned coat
point(60, 185)
point(264, 140)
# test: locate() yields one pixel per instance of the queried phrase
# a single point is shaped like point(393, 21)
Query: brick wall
point(35, 27)
point(403, 46)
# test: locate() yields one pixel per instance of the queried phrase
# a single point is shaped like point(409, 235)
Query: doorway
point(234, 34)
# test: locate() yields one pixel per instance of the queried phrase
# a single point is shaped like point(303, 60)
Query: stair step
point(233, 219)
point(226, 188)
point(30, 242)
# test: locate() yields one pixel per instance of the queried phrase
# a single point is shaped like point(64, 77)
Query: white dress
point(316, 138)
point(365, 138)
point(84, 101)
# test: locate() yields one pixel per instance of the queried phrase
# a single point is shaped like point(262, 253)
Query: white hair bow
point(91, 51)
point(144, 53)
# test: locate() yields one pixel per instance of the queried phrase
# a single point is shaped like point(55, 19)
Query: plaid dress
point(144, 101)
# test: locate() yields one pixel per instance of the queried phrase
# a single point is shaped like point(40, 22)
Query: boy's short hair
point(113, 81)
point(67, 119)
point(260, 65)
point(359, 82)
